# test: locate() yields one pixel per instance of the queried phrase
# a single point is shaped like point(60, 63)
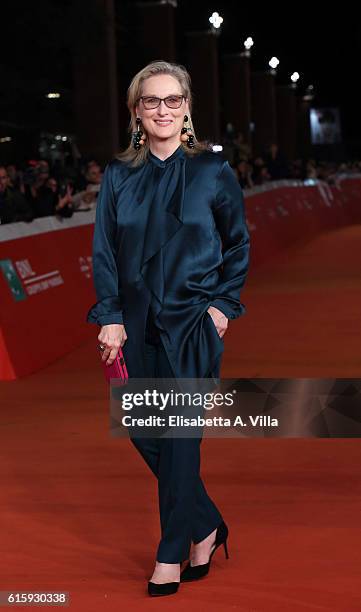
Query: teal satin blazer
point(171, 235)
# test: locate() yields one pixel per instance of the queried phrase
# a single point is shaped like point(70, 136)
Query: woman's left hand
point(219, 319)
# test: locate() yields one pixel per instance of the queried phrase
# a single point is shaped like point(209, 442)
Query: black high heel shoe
point(157, 590)
point(199, 571)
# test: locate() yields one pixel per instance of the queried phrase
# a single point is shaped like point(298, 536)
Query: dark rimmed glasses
point(150, 102)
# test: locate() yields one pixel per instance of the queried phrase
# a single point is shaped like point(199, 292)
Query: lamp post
point(248, 44)
point(264, 114)
point(295, 77)
point(273, 63)
point(236, 92)
point(216, 21)
point(202, 56)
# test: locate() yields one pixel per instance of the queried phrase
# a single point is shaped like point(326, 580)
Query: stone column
point(304, 144)
point(95, 81)
point(287, 120)
point(263, 97)
point(202, 64)
point(155, 31)
point(236, 94)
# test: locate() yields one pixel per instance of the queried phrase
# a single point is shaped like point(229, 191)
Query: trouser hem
point(206, 534)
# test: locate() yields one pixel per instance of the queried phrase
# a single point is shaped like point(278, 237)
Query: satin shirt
point(170, 235)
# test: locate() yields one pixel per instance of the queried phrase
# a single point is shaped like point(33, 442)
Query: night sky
point(321, 46)
point(36, 51)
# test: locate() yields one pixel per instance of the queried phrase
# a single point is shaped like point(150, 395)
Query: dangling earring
point(138, 136)
point(186, 134)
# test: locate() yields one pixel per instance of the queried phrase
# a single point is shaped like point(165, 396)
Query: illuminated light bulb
point(216, 20)
point(248, 43)
point(274, 61)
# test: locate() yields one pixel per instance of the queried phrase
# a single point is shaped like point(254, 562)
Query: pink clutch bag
point(117, 369)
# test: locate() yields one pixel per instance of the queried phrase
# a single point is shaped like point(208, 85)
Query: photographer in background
point(13, 205)
point(53, 200)
point(34, 179)
point(86, 199)
point(243, 171)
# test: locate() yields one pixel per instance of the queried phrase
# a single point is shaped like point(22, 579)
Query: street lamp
point(216, 21)
point(273, 63)
point(294, 78)
point(248, 44)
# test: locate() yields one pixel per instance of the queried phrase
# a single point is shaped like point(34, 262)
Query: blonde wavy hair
point(131, 155)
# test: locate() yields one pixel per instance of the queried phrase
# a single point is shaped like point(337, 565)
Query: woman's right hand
point(112, 337)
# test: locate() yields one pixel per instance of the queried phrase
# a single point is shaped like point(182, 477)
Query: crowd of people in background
point(273, 165)
point(38, 190)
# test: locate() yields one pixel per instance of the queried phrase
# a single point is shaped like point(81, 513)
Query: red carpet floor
point(79, 509)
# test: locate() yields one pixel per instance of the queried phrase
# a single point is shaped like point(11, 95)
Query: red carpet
point(79, 509)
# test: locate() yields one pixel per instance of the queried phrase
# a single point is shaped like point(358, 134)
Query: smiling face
point(162, 123)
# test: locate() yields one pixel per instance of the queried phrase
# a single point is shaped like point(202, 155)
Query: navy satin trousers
point(187, 513)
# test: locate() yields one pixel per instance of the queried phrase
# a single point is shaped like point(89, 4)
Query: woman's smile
point(163, 122)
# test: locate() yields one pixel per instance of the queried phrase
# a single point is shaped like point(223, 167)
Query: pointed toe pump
point(199, 571)
point(167, 588)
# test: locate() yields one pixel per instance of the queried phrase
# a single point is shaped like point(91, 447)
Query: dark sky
point(321, 46)
point(312, 38)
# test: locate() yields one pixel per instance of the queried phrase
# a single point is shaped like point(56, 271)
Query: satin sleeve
point(107, 309)
point(230, 219)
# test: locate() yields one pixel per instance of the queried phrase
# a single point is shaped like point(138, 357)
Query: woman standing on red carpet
point(170, 256)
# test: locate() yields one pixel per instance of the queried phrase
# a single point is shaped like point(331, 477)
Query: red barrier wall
point(284, 215)
point(46, 277)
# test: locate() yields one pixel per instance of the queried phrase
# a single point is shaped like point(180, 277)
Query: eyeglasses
point(150, 102)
